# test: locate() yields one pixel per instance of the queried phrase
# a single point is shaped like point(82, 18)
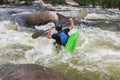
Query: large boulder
point(28, 72)
point(35, 18)
point(44, 17)
point(41, 17)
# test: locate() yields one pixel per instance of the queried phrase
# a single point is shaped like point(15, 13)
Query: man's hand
point(49, 33)
point(70, 19)
point(71, 23)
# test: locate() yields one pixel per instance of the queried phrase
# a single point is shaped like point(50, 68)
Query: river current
point(96, 56)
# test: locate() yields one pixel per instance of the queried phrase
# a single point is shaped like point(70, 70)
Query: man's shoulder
point(55, 35)
point(66, 29)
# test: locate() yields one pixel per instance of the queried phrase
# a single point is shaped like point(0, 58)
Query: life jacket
point(64, 38)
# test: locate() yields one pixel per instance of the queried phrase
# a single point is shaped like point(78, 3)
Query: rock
point(44, 17)
point(28, 72)
point(11, 1)
point(34, 18)
point(41, 17)
point(42, 5)
point(22, 3)
point(48, 7)
point(71, 2)
point(5, 6)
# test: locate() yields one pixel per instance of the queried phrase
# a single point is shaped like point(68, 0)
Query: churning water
point(97, 53)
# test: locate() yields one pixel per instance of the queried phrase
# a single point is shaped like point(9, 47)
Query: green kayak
point(71, 43)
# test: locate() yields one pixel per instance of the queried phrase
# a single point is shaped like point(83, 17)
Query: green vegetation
point(94, 3)
point(29, 1)
point(102, 3)
point(55, 1)
point(1, 1)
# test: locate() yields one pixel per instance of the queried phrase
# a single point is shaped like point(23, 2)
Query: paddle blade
point(38, 33)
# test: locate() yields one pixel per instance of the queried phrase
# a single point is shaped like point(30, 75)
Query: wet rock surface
point(28, 72)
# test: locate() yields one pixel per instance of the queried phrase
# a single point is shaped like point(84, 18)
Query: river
point(96, 56)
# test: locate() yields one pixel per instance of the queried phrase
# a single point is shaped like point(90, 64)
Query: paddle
point(80, 15)
point(39, 33)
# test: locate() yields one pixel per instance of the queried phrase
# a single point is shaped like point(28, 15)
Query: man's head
point(58, 27)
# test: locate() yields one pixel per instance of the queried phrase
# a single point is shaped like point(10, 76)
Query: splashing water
point(96, 57)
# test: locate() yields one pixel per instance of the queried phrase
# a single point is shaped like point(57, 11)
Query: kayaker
point(61, 37)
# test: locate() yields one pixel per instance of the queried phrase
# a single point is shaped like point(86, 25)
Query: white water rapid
point(96, 56)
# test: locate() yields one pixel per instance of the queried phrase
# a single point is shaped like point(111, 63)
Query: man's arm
point(49, 33)
point(71, 24)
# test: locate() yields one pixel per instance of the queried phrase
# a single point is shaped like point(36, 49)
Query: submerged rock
point(28, 72)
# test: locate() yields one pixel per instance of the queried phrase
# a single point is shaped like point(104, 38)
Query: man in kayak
point(61, 37)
